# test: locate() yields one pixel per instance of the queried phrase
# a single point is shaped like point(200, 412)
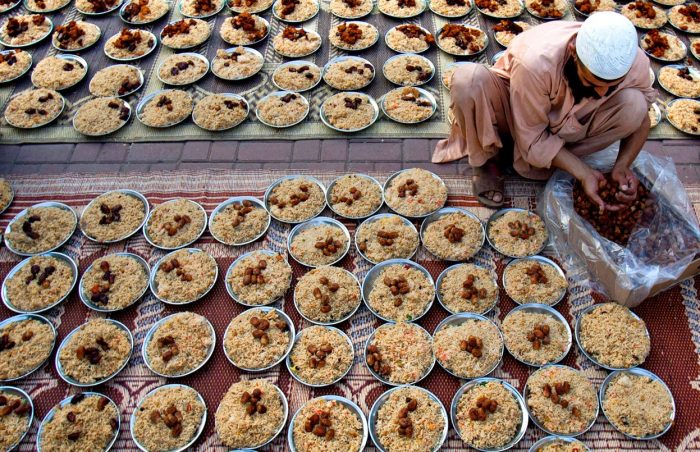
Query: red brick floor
point(340, 155)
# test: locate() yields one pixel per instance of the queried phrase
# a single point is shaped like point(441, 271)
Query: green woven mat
point(258, 86)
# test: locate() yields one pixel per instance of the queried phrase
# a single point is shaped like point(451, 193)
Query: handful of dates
point(616, 226)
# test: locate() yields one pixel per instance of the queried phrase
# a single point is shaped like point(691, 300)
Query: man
point(561, 91)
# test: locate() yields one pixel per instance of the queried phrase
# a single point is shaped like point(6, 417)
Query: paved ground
point(340, 155)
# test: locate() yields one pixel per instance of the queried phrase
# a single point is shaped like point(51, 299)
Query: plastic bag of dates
point(630, 252)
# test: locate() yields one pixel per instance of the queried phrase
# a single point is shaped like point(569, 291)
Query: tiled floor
point(340, 155)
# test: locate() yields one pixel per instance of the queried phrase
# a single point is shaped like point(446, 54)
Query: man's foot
point(488, 185)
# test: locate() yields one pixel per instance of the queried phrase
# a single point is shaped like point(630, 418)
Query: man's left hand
point(627, 182)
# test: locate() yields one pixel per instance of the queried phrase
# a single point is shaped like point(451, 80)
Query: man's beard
point(577, 87)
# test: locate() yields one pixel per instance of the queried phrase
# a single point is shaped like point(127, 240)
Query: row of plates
point(525, 410)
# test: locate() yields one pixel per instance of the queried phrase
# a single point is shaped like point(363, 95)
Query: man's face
point(591, 82)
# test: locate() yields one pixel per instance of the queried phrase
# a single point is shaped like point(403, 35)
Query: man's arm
point(629, 150)
point(588, 177)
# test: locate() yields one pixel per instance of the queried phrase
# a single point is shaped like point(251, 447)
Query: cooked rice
point(448, 352)
point(407, 349)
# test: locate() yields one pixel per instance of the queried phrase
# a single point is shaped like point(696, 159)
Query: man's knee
point(469, 81)
point(633, 108)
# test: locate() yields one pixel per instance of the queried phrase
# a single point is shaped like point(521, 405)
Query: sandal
point(488, 180)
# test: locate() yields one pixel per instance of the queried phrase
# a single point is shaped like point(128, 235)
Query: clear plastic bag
point(655, 254)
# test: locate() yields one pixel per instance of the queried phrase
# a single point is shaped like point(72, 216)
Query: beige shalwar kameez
point(525, 96)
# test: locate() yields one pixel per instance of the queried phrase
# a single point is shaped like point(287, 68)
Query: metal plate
point(498, 214)
point(146, 99)
point(390, 179)
point(64, 343)
point(275, 184)
point(83, 291)
point(677, 126)
point(141, 80)
point(231, 96)
point(425, 95)
point(488, 13)
point(285, 408)
point(425, 62)
point(458, 319)
point(148, 219)
point(31, 61)
point(125, 122)
point(395, 29)
point(296, 64)
point(54, 41)
point(408, 16)
point(318, 221)
point(536, 308)
point(281, 94)
point(11, 7)
point(329, 194)
point(547, 440)
point(154, 271)
point(642, 373)
point(229, 51)
point(238, 260)
point(446, 211)
point(267, 33)
point(496, 57)
point(50, 415)
point(334, 398)
point(341, 59)
point(657, 114)
point(203, 16)
point(376, 218)
point(49, 121)
point(540, 260)
point(532, 416)
point(122, 11)
point(668, 60)
point(20, 393)
point(447, 16)
point(72, 58)
point(149, 337)
point(184, 47)
point(676, 26)
point(38, 318)
point(369, 99)
point(658, 11)
point(533, 13)
point(381, 378)
point(191, 55)
point(290, 329)
point(290, 366)
point(302, 55)
point(358, 16)
point(514, 392)
point(125, 191)
point(577, 335)
point(24, 212)
point(29, 44)
point(233, 200)
point(26, 6)
point(10, 198)
point(332, 322)
point(373, 413)
point(276, 15)
point(260, 9)
point(693, 73)
point(135, 57)
point(117, 5)
point(356, 49)
point(444, 274)
point(200, 429)
point(483, 49)
point(16, 269)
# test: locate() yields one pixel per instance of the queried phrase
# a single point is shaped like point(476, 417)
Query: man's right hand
point(590, 182)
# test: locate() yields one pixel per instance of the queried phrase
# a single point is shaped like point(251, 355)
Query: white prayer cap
point(607, 45)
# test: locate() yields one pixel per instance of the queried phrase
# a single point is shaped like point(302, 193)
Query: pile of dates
point(616, 226)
